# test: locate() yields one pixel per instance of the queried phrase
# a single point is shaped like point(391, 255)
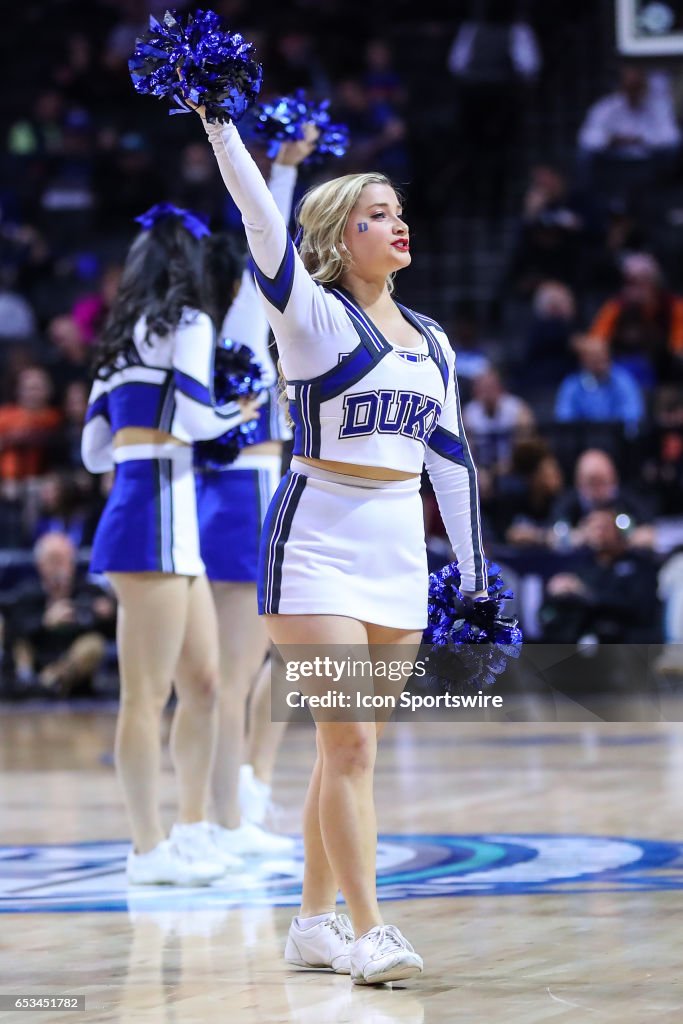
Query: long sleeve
point(196, 414)
point(246, 321)
point(296, 306)
point(96, 440)
point(449, 463)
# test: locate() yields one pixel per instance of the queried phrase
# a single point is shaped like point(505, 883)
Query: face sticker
point(362, 225)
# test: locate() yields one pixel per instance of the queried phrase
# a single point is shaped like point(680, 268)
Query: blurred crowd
point(571, 370)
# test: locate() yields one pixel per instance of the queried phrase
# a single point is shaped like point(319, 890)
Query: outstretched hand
point(291, 154)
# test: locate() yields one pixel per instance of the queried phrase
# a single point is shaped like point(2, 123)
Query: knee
point(200, 690)
point(143, 701)
point(351, 752)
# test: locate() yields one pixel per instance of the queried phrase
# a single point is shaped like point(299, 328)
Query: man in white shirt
point(634, 122)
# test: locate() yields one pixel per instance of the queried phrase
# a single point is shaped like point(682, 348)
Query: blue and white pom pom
point(284, 119)
point(195, 57)
point(470, 641)
point(238, 374)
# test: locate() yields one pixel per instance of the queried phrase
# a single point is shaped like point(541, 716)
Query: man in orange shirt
point(28, 427)
point(643, 324)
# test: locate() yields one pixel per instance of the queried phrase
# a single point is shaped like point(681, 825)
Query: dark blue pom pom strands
point(195, 57)
point(283, 120)
point(237, 375)
point(470, 640)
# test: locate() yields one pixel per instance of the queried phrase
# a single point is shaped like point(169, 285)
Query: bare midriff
point(143, 435)
point(264, 448)
point(351, 469)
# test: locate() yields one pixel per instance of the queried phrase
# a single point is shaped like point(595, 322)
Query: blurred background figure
point(599, 390)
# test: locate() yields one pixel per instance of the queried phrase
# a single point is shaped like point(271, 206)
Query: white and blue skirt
point(149, 523)
point(231, 505)
point(340, 545)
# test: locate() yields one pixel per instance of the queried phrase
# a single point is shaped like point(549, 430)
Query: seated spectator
point(611, 594)
point(643, 325)
point(381, 79)
point(69, 358)
point(597, 486)
point(548, 356)
point(378, 132)
point(90, 311)
point(599, 390)
point(57, 625)
point(66, 507)
point(471, 360)
point(551, 234)
point(28, 427)
point(633, 123)
point(494, 419)
point(525, 498)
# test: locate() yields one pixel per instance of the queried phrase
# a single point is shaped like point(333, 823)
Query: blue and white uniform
point(149, 523)
point(342, 545)
point(232, 501)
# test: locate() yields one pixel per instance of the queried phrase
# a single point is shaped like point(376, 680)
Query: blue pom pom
point(238, 374)
point(216, 67)
point(283, 120)
point(470, 640)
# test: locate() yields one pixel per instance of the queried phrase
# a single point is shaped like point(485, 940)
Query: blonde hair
point(323, 214)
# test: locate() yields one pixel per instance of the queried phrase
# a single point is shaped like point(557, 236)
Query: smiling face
point(376, 235)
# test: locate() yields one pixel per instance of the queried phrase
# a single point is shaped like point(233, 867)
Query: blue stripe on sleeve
point(278, 289)
point(447, 445)
point(192, 388)
point(100, 407)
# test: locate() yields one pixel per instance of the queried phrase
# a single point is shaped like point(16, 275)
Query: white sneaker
point(197, 842)
point(167, 864)
point(325, 944)
point(383, 954)
point(254, 796)
point(250, 840)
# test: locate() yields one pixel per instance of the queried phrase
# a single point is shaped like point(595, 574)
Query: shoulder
point(195, 318)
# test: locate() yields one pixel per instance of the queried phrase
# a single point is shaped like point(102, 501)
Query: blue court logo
point(90, 876)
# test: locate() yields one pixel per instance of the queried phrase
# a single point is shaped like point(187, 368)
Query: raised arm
point(197, 417)
point(297, 308)
point(449, 463)
point(96, 440)
point(246, 320)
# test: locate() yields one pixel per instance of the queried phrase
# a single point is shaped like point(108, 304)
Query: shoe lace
point(341, 926)
point(389, 939)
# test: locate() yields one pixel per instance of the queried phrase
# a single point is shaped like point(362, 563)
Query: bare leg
point(264, 736)
point(193, 733)
point(152, 614)
point(243, 642)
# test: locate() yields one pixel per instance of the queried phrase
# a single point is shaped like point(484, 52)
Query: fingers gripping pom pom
point(470, 640)
point(284, 119)
point(196, 58)
point(237, 375)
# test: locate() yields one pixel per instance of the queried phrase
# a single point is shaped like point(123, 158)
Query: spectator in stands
point(74, 407)
point(494, 419)
point(597, 486)
point(599, 390)
point(525, 498)
point(90, 311)
point(633, 123)
point(548, 355)
point(57, 625)
point(295, 64)
point(69, 358)
point(643, 325)
point(471, 358)
point(381, 79)
point(41, 133)
point(377, 131)
point(611, 593)
point(551, 236)
point(196, 186)
point(28, 427)
point(66, 507)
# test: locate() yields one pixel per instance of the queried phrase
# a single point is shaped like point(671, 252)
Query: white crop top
point(353, 397)
point(167, 385)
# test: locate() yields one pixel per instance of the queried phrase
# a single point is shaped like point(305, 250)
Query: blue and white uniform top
point(165, 383)
point(246, 322)
point(355, 397)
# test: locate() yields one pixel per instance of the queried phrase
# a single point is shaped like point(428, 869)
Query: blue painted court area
point(84, 877)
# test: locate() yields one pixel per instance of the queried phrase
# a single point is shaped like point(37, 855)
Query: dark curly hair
point(165, 271)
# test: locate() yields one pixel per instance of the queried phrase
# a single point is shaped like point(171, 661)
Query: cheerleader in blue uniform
point(232, 501)
point(151, 398)
point(373, 396)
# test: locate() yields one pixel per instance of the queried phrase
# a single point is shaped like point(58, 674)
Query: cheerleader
point(373, 396)
point(232, 501)
point(152, 397)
